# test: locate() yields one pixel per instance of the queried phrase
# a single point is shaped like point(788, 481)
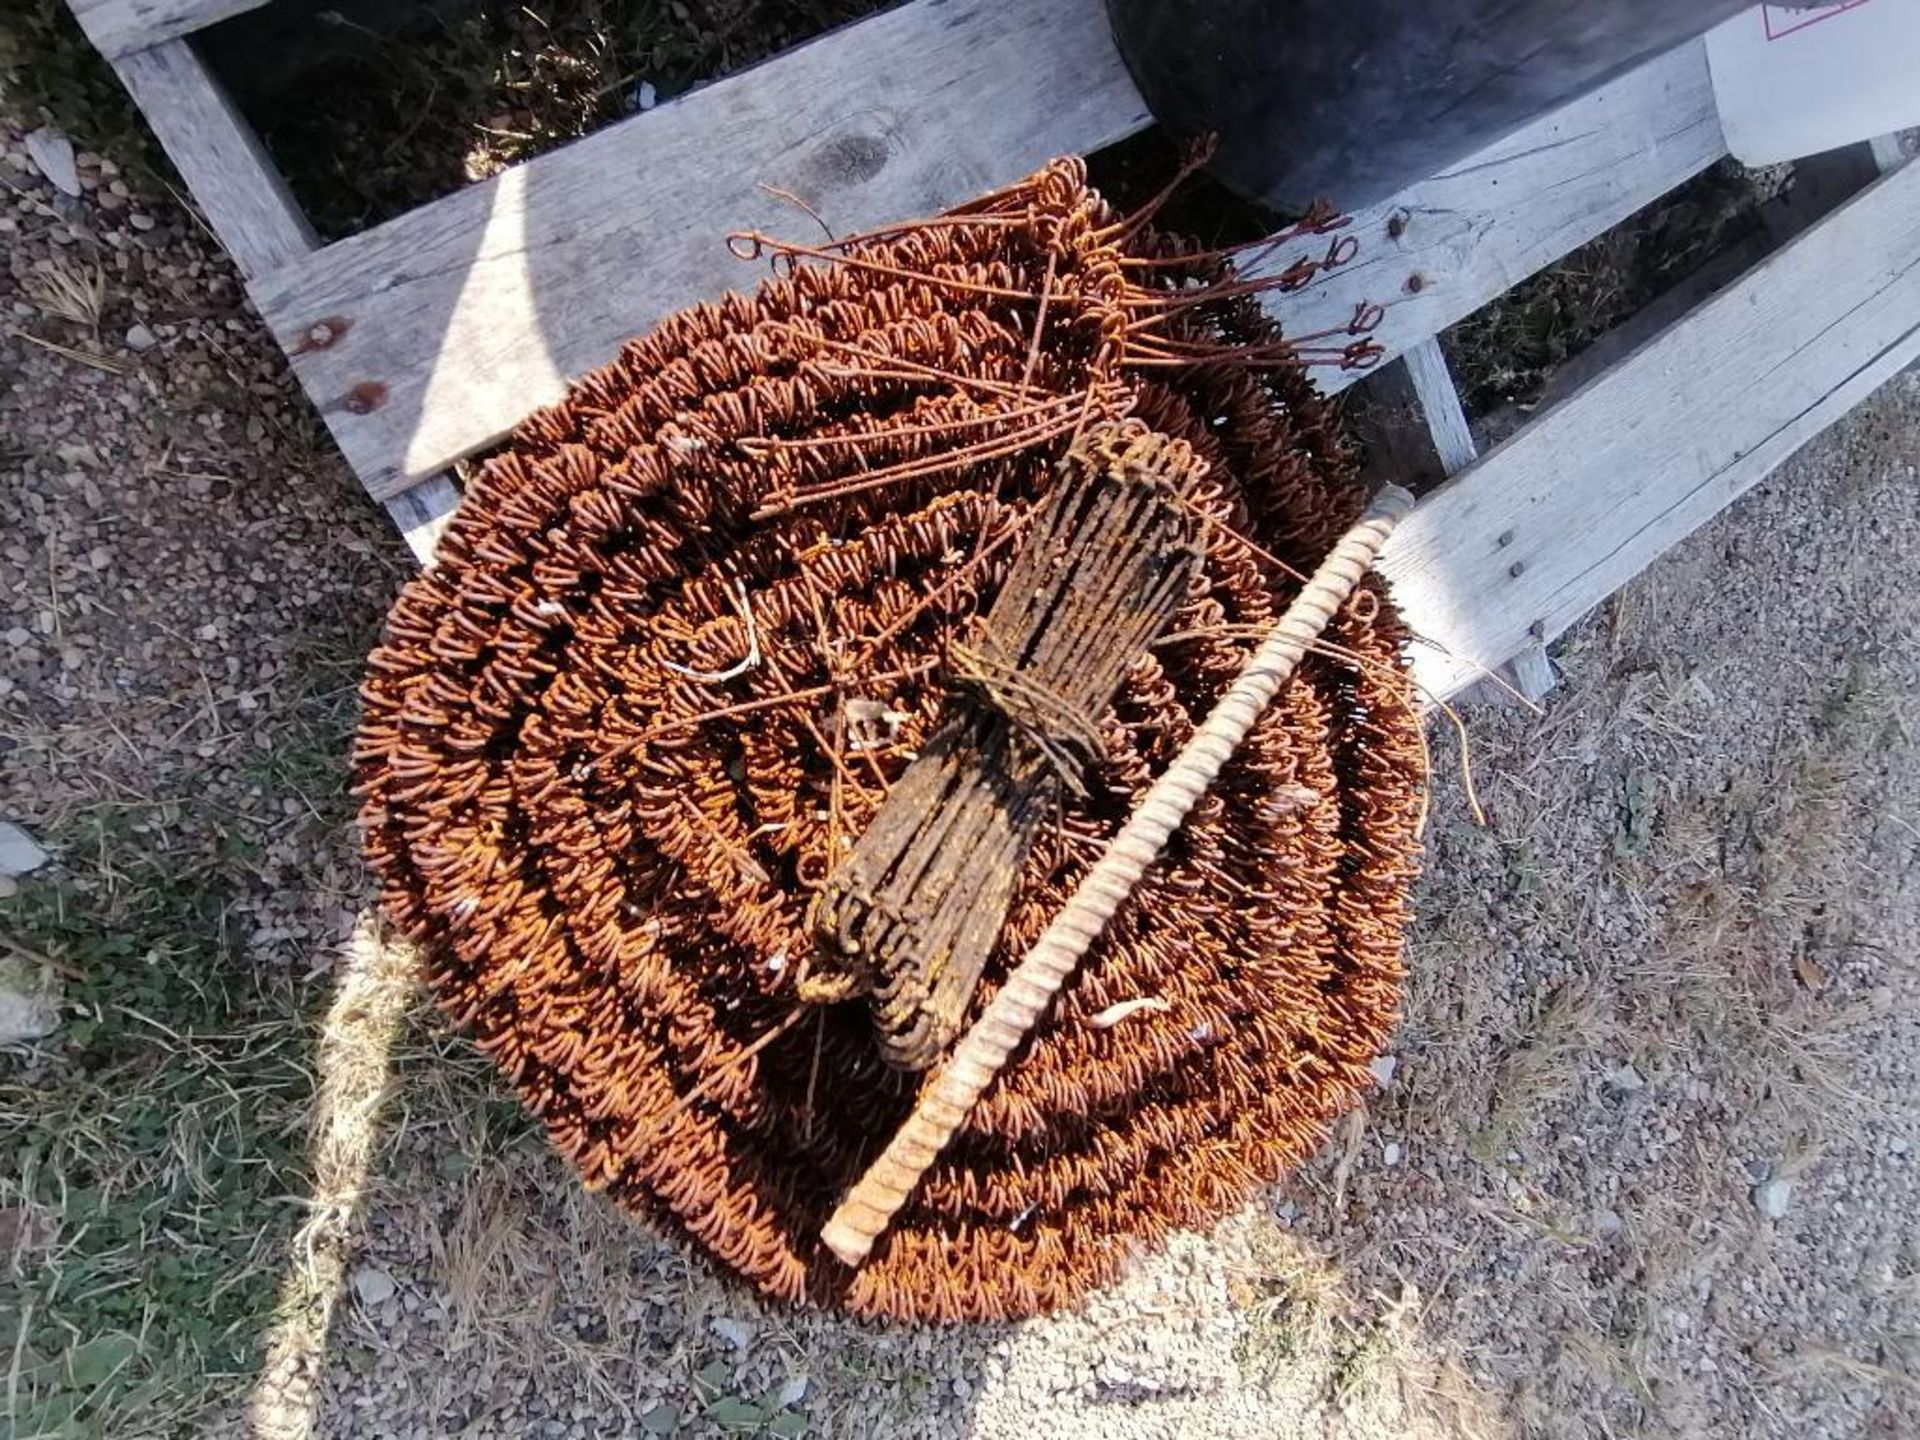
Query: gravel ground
point(1642, 1163)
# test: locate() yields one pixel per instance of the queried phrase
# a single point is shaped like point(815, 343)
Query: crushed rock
point(20, 853)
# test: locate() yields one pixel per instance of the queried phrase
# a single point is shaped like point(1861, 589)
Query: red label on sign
point(1783, 20)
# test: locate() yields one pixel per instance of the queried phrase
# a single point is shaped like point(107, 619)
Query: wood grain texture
point(119, 28)
point(1576, 503)
point(1440, 405)
point(1528, 673)
point(421, 513)
point(1444, 247)
point(231, 177)
point(465, 314)
point(469, 312)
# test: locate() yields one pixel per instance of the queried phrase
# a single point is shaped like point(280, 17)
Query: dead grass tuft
point(1571, 1028)
point(1292, 1306)
point(70, 289)
point(1756, 926)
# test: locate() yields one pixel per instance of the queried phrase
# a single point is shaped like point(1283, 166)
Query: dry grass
point(1732, 885)
point(1835, 1361)
point(1292, 1305)
point(157, 1138)
point(1308, 1342)
point(1716, 991)
point(70, 289)
point(105, 363)
point(1750, 935)
point(1572, 1028)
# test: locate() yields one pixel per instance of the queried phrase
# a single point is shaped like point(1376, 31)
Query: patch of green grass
point(1523, 878)
point(310, 757)
point(156, 1137)
point(729, 1413)
point(1639, 808)
point(1289, 1319)
point(1358, 1364)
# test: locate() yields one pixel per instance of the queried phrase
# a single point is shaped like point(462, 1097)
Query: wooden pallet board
point(119, 28)
point(1444, 247)
point(473, 310)
point(220, 157)
point(1542, 529)
point(426, 338)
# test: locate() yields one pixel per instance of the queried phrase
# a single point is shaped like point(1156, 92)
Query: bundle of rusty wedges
point(776, 689)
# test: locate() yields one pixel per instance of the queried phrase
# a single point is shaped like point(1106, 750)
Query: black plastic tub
point(1352, 100)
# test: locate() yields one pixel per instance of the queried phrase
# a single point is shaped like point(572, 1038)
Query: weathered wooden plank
point(1444, 247)
point(1671, 305)
point(1529, 673)
point(120, 27)
point(455, 320)
point(232, 179)
point(421, 513)
point(1580, 500)
point(1440, 406)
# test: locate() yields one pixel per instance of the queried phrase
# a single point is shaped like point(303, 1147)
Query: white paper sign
point(1794, 81)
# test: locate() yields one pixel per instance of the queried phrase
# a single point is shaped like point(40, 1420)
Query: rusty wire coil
point(692, 621)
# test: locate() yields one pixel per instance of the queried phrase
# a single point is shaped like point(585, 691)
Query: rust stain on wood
point(364, 398)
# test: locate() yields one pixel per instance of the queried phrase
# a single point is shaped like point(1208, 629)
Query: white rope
point(983, 1050)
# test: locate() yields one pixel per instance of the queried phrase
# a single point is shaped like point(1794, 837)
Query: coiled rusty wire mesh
point(690, 623)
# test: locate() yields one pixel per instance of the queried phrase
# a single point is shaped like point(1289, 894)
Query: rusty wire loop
point(610, 749)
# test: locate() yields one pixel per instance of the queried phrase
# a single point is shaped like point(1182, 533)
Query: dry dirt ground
point(1643, 1162)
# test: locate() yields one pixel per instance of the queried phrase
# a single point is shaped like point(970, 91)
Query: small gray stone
point(1606, 1223)
point(52, 154)
point(1772, 1197)
point(1383, 1069)
point(1626, 1079)
point(20, 853)
point(374, 1286)
point(737, 1333)
point(139, 337)
point(25, 1017)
